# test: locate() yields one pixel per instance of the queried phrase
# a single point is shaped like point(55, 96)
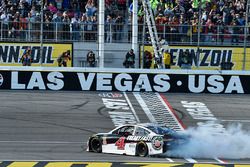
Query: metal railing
point(117, 33)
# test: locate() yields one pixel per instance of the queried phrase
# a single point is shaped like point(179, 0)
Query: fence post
point(245, 34)
point(56, 33)
point(1, 30)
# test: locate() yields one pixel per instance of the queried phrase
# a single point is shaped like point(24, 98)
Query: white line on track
point(42, 142)
point(169, 159)
point(170, 111)
point(191, 160)
point(132, 108)
point(144, 107)
point(248, 121)
point(220, 161)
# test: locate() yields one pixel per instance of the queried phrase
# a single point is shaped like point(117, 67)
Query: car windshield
point(161, 130)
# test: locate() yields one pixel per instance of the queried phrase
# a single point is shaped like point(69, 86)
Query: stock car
point(139, 140)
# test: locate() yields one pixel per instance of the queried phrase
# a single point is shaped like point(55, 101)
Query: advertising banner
point(210, 58)
point(92, 81)
point(11, 53)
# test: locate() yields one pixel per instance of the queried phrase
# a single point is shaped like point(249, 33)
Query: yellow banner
point(114, 164)
point(210, 58)
point(11, 53)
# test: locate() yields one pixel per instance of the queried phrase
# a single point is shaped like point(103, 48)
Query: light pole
point(135, 27)
point(41, 34)
point(101, 33)
point(199, 34)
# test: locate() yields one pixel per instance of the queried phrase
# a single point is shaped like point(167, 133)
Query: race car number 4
point(120, 143)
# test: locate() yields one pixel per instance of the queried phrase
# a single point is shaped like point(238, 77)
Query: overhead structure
point(101, 33)
point(156, 44)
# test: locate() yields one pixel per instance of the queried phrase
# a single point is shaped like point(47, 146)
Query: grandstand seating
point(222, 21)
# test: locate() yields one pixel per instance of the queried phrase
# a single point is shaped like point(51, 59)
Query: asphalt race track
point(55, 126)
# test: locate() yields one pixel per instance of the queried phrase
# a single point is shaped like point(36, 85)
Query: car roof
point(143, 125)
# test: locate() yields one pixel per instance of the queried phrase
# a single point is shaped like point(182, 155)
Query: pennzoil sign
point(10, 53)
point(210, 58)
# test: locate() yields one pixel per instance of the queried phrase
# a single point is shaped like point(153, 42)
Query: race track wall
point(210, 57)
point(81, 79)
point(11, 53)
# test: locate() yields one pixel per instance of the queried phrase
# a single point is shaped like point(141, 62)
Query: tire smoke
point(234, 143)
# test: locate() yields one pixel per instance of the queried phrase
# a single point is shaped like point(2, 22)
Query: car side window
point(126, 130)
point(141, 132)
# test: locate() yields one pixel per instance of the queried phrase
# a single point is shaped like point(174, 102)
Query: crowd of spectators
point(63, 19)
point(176, 20)
point(179, 19)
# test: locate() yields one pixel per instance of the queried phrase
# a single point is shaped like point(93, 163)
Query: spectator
point(52, 8)
point(57, 24)
point(36, 26)
point(23, 26)
point(66, 26)
point(160, 20)
point(90, 8)
point(48, 27)
point(95, 28)
point(89, 28)
point(118, 27)
point(209, 29)
point(185, 61)
point(91, 59)
point(222, 31)
point(235, 34)
point(64, 58)
point(75, 28)
point(174, 29)
point(167, 59)
point(129, 61)
point(147, 61)
point(109, 28)
point(26, 58)
point(83, 26)
point(121, 4)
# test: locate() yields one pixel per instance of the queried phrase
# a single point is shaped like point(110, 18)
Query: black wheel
point(142, 149)
point(96, 145)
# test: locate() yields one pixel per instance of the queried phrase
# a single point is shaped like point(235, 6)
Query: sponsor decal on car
point(157, 142)
point(139, 138)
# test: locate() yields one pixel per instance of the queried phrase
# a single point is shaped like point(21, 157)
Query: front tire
point(96, 145)
point(142, 149)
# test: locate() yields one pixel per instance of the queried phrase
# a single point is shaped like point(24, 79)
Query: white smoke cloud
point(234, 143)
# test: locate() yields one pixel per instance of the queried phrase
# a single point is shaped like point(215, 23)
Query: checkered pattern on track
point(159, 110)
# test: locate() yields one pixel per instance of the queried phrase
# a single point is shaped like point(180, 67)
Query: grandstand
point(222, 22)
point(180, 22)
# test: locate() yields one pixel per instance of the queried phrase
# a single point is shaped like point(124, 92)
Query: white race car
point(140, 140)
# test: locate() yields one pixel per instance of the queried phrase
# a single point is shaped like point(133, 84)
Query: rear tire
point(142, 149)
point(96, 145)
